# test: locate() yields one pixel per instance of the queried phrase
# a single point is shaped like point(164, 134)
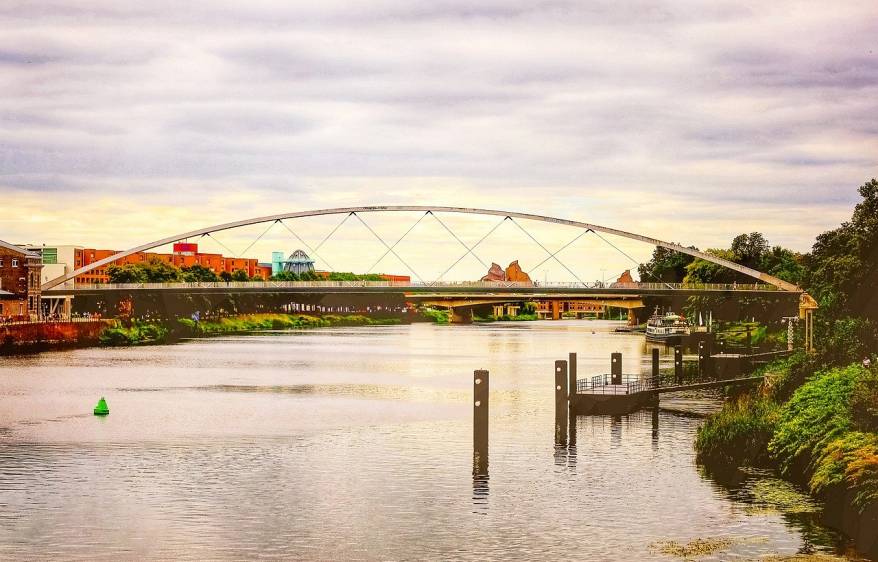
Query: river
point(356, 443)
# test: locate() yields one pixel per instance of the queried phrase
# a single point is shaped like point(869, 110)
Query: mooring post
point(702, 358)
point(678, 364)
point(571, 382)
point(616, 368)
point(561, 402)
point(655, 367)
point(480, 413)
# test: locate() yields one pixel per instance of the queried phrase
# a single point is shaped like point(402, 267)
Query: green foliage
point(739, 433)
point(152, 271)
point(817, 413)
point(864, 402)
point(748, 249)
point(139, 333)
point(844, 340)
point(198, 273)
point(284, 276)
point(225, 276)
point(843, 264)
point(261, 322)
point(703, 271)
point(240, 275)
point(850, 461)
point(436, 316)
point(666, 266)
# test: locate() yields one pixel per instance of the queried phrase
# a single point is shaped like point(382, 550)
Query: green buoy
point(101, 409)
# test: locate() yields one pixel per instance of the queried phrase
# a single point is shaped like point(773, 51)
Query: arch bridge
point(437, 291)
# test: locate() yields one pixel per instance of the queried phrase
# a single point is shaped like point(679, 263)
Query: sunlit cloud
point(685, 121)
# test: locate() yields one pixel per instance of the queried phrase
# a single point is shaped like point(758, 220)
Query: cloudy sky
point(688, 121)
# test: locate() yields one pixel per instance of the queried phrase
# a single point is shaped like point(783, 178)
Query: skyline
point(687, 123)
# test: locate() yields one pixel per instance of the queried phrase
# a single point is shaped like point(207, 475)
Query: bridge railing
point(421, 286)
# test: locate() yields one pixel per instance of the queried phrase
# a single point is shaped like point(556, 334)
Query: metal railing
point(420, 286)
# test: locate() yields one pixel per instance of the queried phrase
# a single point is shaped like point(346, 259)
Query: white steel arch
point(770, 279)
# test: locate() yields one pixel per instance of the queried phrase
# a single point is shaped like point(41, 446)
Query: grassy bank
point(816, 426)
point(141, 333)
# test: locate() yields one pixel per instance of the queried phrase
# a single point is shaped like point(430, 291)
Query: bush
point(817, 414)
point(850, 462)
point(739, 433)
point(864, 402)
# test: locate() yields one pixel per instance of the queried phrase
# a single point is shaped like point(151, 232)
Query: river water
point(356, 443)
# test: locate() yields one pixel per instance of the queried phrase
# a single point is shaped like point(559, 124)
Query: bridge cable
point(398, 241)
point(310, 249)
point(231, 251)
point(389, 249)
point(564, 247)
point(322, 242)
point(258, 238)
point(548, 252)
point(634, 261)
point(469, 250)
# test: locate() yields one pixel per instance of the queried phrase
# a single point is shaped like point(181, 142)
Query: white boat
point(667, 327)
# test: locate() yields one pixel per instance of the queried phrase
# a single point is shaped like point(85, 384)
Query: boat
point(669, 327)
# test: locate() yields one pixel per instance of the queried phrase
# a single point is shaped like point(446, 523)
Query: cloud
point(722, 117)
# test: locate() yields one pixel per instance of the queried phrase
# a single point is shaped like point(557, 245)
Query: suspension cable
point(389, 249)
point(322, 242)
point(310, 249)
point(564, 247)
point(548, 252)
point(469, 250)
point(258, 238)
point(412, 227)
point(231, 252)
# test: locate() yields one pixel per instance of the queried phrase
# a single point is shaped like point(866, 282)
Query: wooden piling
point(678, 364)
point(702, 358)
point(571, 381)
point(655, 367)
point(616, 368)
point(480, 411)
point(561, 409)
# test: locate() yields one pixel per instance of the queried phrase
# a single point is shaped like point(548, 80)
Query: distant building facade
point(298, 262)
point(19, 283)
point(185, 254)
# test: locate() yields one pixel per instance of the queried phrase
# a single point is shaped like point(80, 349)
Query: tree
point(666, 266)
point(225, 276)
point(285, 276)
point(240, 275)
point(125, 274)
point(703, 271)
point(783, 263)
point(153, 271)
point(197, 273)
point(842, 268)
point(749, 249)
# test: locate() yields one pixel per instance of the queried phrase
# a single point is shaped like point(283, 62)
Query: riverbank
point(817, 427)
point(151, 333)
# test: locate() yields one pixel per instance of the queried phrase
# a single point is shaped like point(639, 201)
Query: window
point(1, 262)
point(50, 255)
point(14, 262)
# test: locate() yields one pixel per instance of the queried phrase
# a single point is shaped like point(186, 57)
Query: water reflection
point(373, 443)
point(480, 481)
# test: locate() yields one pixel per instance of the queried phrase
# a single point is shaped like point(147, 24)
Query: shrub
point(739, 433)
point(817, 414)
point(864, 402)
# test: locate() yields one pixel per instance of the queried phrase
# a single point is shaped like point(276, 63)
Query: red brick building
point(184, 255)
point(19, 283)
